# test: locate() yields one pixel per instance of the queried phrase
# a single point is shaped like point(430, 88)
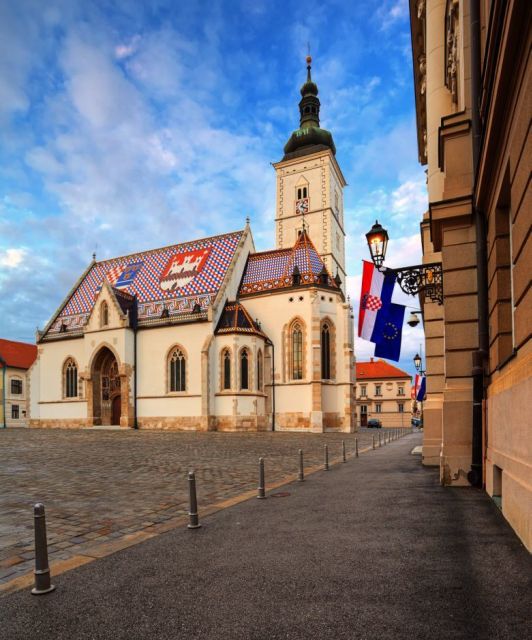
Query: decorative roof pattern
point(378, 370)
point(20, 355)
point(176, 278)
point(236, 319)
point(270, 270)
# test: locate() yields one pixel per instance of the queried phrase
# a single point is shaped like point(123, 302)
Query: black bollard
point(193, 502)
point(261, 492)
point(373, 440)
point(42, 570)
point(326, 458)
point(380, 444)
point(356, 447)
point(301, 475)
point(344, 459)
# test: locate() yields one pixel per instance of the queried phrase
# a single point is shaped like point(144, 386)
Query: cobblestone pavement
point(99, 485)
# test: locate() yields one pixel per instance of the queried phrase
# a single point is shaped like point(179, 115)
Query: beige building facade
point(210, 334)
point(472, 89)
point(16, 358)
point(382, 392)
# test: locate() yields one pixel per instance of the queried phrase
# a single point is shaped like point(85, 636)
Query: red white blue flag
point(380, 320)
point(420, 387)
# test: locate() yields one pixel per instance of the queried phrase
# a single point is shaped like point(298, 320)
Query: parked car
point(374, 423)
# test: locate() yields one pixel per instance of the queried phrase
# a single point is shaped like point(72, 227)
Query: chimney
point(371, 359)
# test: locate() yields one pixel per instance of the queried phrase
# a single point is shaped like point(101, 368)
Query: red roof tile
point(17, 354)
point(378, 370)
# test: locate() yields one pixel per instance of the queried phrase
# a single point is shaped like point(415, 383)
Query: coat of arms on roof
point(182, 268)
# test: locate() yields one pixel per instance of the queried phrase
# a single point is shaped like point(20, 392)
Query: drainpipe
point(475, 475)
point(4, 367)
point(134, 326)
point(270, 344)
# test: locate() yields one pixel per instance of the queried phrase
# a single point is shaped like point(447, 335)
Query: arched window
point(104, 314)
point(296, 338)
point(226, 369)
point(177, 370)
point(260, 371)
point(325, 352)
point(70, 379)
point(244, 369)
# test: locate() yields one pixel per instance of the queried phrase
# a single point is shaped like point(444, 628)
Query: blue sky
point(129, 125)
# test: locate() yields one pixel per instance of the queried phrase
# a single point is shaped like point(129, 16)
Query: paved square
point(100, 485)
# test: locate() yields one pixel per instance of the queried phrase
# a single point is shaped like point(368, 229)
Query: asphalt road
point(372, 549)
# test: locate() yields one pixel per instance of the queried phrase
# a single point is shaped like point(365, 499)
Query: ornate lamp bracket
point(426, 278)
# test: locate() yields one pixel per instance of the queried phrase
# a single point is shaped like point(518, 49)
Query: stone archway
point(107, 405)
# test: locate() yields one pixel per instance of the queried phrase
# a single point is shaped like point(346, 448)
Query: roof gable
point(20, 355)
point(270, 270)
point(178, 278)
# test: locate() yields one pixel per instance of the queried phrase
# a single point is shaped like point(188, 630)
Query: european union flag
point(388, 332)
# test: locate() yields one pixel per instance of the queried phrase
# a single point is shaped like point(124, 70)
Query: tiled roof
point(236, 319)
point(271, 270)
point(378, 370)
point(177, 278)
point(17, 354)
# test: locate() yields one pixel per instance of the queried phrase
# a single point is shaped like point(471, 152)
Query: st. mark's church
point(211, 334)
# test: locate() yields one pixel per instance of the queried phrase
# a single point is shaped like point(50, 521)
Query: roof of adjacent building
point(20, 355)
point(378, 370)
point(236, 319)
point(271, 270)
point(178, 279)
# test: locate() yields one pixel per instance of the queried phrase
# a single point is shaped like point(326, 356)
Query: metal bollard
point(380, 445)
point(356, 447)
point(373, 439)
point(301, 475)
point(42, 570)
point(261, 492)
point(192, 502)
point(326, 458)
point(344, 459)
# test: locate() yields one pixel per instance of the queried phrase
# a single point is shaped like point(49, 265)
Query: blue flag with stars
point(388, 332)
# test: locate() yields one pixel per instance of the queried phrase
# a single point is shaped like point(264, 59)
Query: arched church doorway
point(106, 389)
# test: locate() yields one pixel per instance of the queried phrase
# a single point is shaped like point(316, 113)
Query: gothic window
point(104, 314)
point(177, 370)
point(260, 371)
point(244, 369)
point(325, 352)
point(70, 379)
point(226, 369)
point(302, 193)
point(296, 339)
point(16, 386)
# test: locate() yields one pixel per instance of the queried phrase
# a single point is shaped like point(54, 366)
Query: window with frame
point(363, 390)
point(104, 314)
point(260, 371)
point(296, 338)
point(364, 409)
point(302, 192)
point(70, 375)
point(226, 369)
point(400, 390)
point(378, 390)
point(378, 408)
point(16, 386)
point(401, 407)
point(15, 413)
point(325, 352)
point(177, 370)
point(244, 369)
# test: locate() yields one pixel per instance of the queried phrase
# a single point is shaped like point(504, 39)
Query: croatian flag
point(420, 387)
point(380, 321)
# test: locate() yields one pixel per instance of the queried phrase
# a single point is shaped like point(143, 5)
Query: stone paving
point(101, 485)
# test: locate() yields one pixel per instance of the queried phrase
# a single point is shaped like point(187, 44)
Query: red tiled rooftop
point(378, 370)
point(17, 354)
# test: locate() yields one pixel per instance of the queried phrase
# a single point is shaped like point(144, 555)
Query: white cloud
point(127, 50)
point(12, 258)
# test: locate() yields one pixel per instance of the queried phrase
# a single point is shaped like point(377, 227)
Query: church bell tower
point(310, 186)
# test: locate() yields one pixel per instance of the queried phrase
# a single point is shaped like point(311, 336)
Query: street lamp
point(426, 278)
point(377, 238)
point(417, 362)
